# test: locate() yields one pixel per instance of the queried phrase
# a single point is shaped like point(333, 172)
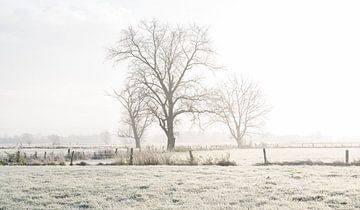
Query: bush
point(222, 161)
point(182, 149)
point(82, 163)
point(105, 154)
point(18, 158)
point(15, 158)
point(152, 158)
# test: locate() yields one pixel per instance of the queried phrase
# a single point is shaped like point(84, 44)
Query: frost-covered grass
point(240, 156)
point(179, 187)
point(254, 156)
point(188, 187)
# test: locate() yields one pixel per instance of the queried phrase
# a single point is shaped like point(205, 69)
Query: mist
point(55, 74)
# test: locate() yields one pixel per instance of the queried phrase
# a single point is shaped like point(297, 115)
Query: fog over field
point(54, 71)
point(119, 104)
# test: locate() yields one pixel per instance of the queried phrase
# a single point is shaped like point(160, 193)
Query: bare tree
point(55, 140)
point(165, 60)
point(240, 105)
point(28, 138)
point(136, 115)
point(105, 136)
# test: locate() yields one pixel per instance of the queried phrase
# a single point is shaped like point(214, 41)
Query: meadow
point(244, 186)
point(179, 187)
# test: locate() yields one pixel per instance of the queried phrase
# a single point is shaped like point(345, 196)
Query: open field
point(181, 187)
point(187, 187)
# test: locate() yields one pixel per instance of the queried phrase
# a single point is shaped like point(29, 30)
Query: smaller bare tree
point(136, 115)
point(239, 104)
point(105, 136)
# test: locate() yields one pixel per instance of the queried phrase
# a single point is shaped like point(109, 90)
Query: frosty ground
point(179, 187)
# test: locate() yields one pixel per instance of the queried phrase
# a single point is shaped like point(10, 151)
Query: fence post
point(72, 158)
point(265, 159)
point(131, 156)
point(18, 157)
point(191, 156)
point(45, 155)
point(116, 150)
point(68, 152)
point(347, 156)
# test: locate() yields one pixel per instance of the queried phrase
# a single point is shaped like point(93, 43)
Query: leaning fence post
point(131, 156)
point(191, 156)
point(116, 150)
point(265, 159)
point(72, 158)
point(347, 156)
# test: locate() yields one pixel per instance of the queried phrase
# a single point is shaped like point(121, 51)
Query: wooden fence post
point(45, 155)
point(265, 159)
point(18, 157)
point(116, 151)
point(68, 152)
point(191, 156)
point(72, 158)
point(347, 156)
point(131, 156)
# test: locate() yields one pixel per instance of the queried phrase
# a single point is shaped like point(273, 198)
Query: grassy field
point(244, 157)
point(179, 187)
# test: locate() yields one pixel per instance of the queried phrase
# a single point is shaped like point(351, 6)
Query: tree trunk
point(170, 135)
point(170, 125)
point(240, 142)
point(135, 133)
point(137, 143)
point(171, 142)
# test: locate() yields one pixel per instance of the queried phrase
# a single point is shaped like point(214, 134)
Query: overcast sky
point(304, 54)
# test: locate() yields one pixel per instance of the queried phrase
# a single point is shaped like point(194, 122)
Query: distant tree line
point(28, 140)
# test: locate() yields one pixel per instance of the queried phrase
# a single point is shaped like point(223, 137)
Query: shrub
point(15, 158)
point(153, 158)
point(18, 158)
point(182, 148)
point(82, 163)
point(222, 161)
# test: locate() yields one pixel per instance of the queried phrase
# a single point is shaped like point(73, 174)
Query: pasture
point(186, 187)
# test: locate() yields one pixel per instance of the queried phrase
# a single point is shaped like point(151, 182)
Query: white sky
point(304, 54)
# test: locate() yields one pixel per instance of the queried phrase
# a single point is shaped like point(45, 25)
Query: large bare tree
point(239, 104)
point(166, 61)
point(136, 116)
